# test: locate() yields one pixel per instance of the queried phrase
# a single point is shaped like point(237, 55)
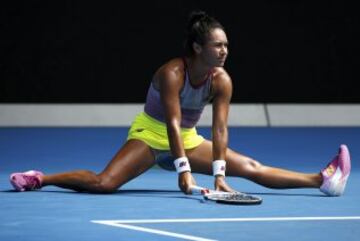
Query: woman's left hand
point(221, 185)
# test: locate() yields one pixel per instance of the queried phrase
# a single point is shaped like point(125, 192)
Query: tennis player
point(165, 132)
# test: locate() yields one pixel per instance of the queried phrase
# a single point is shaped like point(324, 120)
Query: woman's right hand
point(185, 181)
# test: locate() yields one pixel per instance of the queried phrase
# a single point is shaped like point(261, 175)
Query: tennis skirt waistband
point(154, 133)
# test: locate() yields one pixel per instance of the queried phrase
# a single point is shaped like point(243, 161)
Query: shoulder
point(172, 70)
point(221, 79)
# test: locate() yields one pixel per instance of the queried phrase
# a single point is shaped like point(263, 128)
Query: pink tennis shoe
point(336, 174)
point(26, 181)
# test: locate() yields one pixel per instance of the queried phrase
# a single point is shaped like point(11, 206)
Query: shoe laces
point(32, 182)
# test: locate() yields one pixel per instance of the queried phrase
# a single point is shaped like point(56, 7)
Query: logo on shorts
point(222, 168)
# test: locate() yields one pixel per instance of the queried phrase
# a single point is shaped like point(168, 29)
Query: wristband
point(219, 167)
point(182, 165)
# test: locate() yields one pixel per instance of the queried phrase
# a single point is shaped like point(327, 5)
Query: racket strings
point(226, 197)
point(233, 197)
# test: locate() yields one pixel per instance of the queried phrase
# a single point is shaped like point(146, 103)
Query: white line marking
point(125, 223)
point(156, 231)
point(206, 220)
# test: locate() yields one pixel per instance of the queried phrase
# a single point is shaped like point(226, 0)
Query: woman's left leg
point(242, 166)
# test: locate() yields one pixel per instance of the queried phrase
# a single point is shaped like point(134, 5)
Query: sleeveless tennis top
point(193, 100)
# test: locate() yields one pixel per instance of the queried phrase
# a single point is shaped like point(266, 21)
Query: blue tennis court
point(152, 208)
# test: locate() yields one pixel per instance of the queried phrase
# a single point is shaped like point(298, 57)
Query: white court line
point(152, 230)
point(125, 223)
point(207, 220)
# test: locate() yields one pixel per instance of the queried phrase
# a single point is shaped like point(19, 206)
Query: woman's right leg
point(134, 158)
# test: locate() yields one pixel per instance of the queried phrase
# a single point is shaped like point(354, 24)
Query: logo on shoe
point(330, 170)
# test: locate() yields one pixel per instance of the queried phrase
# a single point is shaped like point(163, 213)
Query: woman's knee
point(251, 168)
point(102, 183)
point(106, 185)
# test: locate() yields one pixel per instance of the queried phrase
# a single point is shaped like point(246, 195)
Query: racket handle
point(199, 190)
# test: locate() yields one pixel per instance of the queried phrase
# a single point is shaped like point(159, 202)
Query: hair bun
point(197, 16)
point(199, 26)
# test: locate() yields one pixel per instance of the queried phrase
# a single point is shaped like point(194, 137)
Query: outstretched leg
point(134, 158)
point(242, 166)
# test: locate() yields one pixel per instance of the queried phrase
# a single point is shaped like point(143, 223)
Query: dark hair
point(198, 28)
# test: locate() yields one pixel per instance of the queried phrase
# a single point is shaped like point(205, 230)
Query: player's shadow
point(138, 193)
point(127, 192)
point(162, 193)
point(286, 194)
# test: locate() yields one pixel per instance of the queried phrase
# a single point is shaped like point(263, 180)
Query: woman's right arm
point(170, 87)
point(170, 84)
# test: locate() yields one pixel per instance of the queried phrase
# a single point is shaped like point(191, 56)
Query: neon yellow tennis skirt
point(154, 134)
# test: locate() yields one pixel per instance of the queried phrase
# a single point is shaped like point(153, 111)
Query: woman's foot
point(26, 181)
point(336, 174)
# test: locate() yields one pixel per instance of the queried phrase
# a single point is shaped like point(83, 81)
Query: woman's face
point(215, 50)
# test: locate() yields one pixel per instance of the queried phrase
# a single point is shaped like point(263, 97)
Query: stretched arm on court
point(171, 83)
point(222, 89)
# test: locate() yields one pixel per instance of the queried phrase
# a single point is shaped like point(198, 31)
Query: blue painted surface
point(58, 214)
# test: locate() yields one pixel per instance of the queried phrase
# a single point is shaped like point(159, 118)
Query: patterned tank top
point(193, 100)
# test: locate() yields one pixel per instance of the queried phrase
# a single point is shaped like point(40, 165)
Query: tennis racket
point(236, 198)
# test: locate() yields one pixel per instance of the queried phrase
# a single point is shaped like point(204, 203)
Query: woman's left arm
point(222, 91)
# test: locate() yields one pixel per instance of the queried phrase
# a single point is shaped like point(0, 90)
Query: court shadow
point(286, 194)
point(9, 191)
point(118, 192)
point(135, 191)
point(162, 193)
